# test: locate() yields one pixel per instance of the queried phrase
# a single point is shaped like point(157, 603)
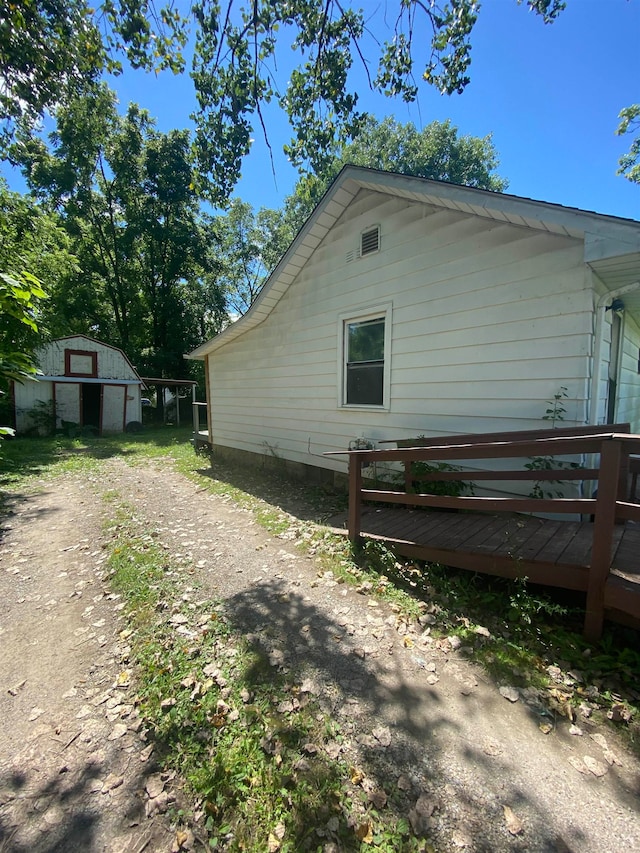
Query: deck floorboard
point(543, 550)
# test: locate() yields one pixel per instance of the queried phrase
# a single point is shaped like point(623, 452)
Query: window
point(365, 367)
point(79, 362)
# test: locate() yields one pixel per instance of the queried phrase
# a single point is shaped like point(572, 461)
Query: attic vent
point(370, 241)
point(350, 256)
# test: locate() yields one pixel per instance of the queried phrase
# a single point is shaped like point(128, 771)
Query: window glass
point(365, 362)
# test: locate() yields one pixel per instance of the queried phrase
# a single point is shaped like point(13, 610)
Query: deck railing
point(609, 506)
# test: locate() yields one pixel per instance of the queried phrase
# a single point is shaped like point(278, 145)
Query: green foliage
point(437, 152)
point(451, 488)
point(43, 418)
point(247, 245)
point(630, 162)
point(19, 297)
point(81, 41)
point(237, 54)
point(555, 412)
point(146, 279)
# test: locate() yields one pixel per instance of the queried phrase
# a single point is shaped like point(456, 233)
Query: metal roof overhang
point(89, 380)
point(619, 275)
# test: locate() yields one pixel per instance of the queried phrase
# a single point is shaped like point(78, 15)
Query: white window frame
point(384, 312)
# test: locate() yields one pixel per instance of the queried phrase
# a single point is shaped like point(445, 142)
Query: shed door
point(113, 407)
point(67, 396)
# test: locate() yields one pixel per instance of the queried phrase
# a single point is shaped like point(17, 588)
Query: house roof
point(612, 243)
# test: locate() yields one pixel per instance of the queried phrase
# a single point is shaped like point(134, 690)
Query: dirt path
point(471, 765)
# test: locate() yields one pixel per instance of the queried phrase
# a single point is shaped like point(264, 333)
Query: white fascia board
point(541, 215)
point(544, 214)
point(598, 247)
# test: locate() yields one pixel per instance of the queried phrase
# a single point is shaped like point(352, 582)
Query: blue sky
point(550, 95)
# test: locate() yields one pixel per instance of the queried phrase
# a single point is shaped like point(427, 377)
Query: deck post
point(605, 516)
point(355, 497)
point(195, 414)
point(408, 477)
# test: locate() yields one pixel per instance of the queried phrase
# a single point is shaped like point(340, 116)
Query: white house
point(87, 382)
point(409, 307)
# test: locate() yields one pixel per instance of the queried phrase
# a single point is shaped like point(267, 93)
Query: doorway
point(91, 397)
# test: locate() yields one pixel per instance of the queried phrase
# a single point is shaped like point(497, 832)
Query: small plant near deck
point(444, 488)
point(556, 409)
point(555, 412)
point(450, 488)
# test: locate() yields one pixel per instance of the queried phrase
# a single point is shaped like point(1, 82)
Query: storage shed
point(85, 382)
point(409, 307)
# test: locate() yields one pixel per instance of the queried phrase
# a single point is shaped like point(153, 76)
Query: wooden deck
point(554, 553)
point(514, 536)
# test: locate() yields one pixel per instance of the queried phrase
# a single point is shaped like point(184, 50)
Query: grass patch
point(248, 739)
point(534, 636)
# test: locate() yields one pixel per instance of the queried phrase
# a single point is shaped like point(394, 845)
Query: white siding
point(68, 401)
point(113, 407)
point(134, 404)
point(112, 363)
point(489, 320)
point(629, 377)
point(26, 396)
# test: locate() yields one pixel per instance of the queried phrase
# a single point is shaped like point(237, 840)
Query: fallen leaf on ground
point(273, 844)
point(419, 815)
point(383, 735)
point(512, 821)
point(619, 714)
point(510, 693)
point(364, 832)
point(118, 731)
point(578, 765)
point(356, 775)
point(154, 786)
point(378, 798)
point(594, 766)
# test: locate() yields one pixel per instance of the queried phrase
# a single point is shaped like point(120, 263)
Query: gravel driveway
point(76, 771)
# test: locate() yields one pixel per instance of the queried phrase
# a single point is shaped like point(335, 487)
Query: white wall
point(489, 320)
point(112, 363)
point(628, 408)
point(26, 396)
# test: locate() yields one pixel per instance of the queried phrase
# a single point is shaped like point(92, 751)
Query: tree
point(436, 152)
point(51, 50)
point(630, 162)
point(34, 254)
point(235, 64)
point(126, 194)
point(250, 245)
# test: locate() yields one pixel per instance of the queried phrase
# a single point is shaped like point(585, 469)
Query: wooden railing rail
point(608, 506)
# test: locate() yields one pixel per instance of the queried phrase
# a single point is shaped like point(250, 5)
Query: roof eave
point(512, 209)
